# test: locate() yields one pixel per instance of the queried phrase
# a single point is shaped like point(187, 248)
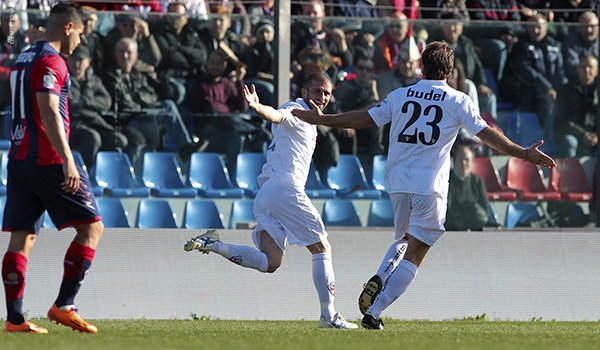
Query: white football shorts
point(287, 215)
point(421, 216)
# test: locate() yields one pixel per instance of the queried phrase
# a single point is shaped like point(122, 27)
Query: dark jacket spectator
point(580, 43)
point(181, 49)
point(394, 40)
point(468, 207)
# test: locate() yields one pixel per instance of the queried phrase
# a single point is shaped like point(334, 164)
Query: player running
point(42, 174)
point(283, 210)
point(426, 118)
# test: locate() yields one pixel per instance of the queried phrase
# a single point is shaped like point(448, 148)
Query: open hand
point(251, 96)
point(535, 156)
point(312, 115)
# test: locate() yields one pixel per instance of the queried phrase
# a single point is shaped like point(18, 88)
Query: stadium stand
point(155, 213)
point(340, 212)
point(201, 213)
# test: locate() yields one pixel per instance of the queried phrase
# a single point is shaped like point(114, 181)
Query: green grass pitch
point(280, 335)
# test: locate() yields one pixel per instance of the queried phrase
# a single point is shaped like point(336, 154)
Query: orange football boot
point(25, 327)
point(71, 318)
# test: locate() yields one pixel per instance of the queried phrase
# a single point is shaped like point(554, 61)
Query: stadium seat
point(496, 191)
point(381, 213)
point(493, 218)
point(518, 213)
point(242, 211)
point(568, 178)
point(248, 167)
point(155, 213)
point(493, 85)
point(201, 213)
point(162, 175)
point(315, 187)
point(79, 161)
point(348, 179)
point(209, 176)
point(114, 173)
point(378, 174)
point(527, 180)
point(2, 204)
point(113, 212)
point(340, 212)
point(524, 129)
point(3, 173)
point(4, 144)
point(48, 223)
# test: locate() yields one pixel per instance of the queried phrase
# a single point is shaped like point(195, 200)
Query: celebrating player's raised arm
point(353, 119)
point(267, 113)
point(501, 143)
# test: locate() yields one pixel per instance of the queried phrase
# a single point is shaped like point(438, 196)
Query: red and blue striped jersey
point(39, 69)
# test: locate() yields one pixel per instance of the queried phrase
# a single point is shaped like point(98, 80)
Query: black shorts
point(33, 188)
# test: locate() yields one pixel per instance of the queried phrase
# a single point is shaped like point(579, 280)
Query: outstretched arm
point(499, 142)
point(267, 113)
point(354, 119)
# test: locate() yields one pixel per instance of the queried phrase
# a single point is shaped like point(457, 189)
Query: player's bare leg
point(78, 260)
point(397, 283)
point(324, 280)
point(14, 266)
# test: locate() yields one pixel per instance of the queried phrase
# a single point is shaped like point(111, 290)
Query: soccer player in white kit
point(282, 209)
point(426, 118)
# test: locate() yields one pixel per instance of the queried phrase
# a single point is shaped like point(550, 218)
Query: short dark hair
point(438, 60)
point(63, 13)
point(319, 77)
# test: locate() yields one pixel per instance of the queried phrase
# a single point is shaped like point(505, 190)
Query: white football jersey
point(290, 152)
point(425, 120)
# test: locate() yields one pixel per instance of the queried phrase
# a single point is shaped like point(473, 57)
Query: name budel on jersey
point(426, 95)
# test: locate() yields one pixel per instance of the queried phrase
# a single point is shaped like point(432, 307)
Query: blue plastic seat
point(349, 180)
point(4, 144)
point(524, 129)
point(2, 205)
point(162, 175)
point(381, 213)
point(48, 223)
point(113, 212)
point(3, 173)
point(155, 213)
point(378, 174)
point(114, 173)
point(314, 186)
point(79, 161)
point(340, 212)
point(491, 83)
point(201, 213)
point(248, 167)
point(242, 211)
point(520, 213)
point(210, 177)
point(493, 218)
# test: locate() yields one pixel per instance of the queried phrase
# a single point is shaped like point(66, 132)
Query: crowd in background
point(167, 75)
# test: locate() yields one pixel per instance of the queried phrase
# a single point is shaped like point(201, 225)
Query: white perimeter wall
point(513, 275)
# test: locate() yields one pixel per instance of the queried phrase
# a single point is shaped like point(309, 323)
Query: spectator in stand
point(464, 50)
point(131, 25)
point(535, 71)
point(136, 95)
point(388, 8)
point(181, 50)
point(195, 8)
point(260, 57)
point(213, 92)
point(88, 101)
point(395, 39)
point(311, 31)
point(352, 8)
point(141, 6)
point(217, 35)
point(405, 74)
point(575, 125)
point(494, 10)
point(434, 8)
point(91, 39)
point(582, 42)
point(13, 41)
point(354, 94)
point(361, 42)
point(261, 12)
point(240, 22)
point(468, 206)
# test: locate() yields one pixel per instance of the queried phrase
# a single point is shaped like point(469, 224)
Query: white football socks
point(242, 255)
point(391, 259)
point(396, 285)
point(324, 280)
